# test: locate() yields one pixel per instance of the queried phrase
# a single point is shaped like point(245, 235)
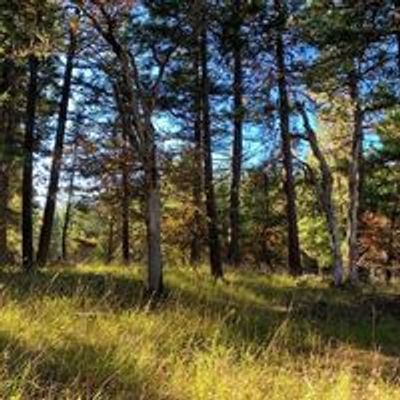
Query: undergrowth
point(89, 333)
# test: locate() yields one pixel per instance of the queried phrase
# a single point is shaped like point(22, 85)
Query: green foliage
point(263, 215)
point(382, 168)
point(315, 239)
point(28, 27)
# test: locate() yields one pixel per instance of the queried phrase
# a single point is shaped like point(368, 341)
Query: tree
point(125, 202)
point(7, 150)
point(27, 187)
point(125, 195)
point(50, 207)
point(354, 175)
point(346, 37)
point(136, 112)
point(70, 193)
point(198, 168)
point(326, 198)
point(212, 215)
point(294, 259)
point(237, 147)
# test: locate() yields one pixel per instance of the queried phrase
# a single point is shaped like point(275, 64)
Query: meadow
point(88, 332)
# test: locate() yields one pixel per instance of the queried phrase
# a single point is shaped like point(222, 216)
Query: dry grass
point(87, 333)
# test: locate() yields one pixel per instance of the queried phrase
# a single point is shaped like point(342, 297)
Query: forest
point(200, 199)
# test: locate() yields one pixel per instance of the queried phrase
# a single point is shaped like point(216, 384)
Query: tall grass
point(88, 333)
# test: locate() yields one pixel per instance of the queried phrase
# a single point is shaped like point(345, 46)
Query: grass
point(87, 333)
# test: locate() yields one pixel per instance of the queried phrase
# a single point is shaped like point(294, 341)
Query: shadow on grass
point(254, 309)
point(115, 292)
point(78, 369)
point(250, 311)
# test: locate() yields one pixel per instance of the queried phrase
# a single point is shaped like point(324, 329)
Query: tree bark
point(153, 218)
point(195, 246)
point(4, 197)
point(27, 179)
point(393, 225)
point(123, 111)
point(397, 24)
point(234, 244)
point(294, 259)
point(4, 187)
point(125, 203)
point(140, 132)
point(265, 256)
point(354, 179)
point(48, 216)
point(145, 144)
point(7, 130)
point(326, 199)
point(211, 209)
point(110, 241)
point(68, 210)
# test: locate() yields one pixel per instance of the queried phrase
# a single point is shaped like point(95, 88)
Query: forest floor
point(87, 333)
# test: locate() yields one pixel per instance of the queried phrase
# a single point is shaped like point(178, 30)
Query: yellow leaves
point(74, 25)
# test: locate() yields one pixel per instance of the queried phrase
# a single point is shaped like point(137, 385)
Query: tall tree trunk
point(136, 116)
point(4, 197)
point(4, 187)
point(265, 257)
point(125, 199)
point(153, 218)
point(195, 246)
point(67, 220)
point(326, 200)
point(397, 25)
point(27, 183)
point(234, 212)
point(68, 210)
point(148, 151)
point(294, 259)
point(7, 131)
point(125, 203)
point(354, 179)
point(393, 225)
point(48, 216)
point(110, 241)
point(211, 209)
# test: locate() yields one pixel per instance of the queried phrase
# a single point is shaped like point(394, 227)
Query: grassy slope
point(87, 333)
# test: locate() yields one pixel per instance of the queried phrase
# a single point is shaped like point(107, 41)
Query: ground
point(88, 333)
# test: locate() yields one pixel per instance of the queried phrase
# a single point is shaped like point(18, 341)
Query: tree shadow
point(249, 311)
point(78, 369)
point(104, 288)
point(336, 316)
